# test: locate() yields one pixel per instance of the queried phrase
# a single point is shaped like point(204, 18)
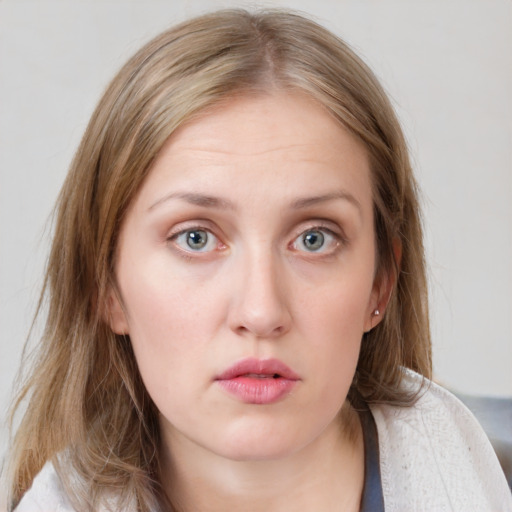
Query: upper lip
point(271, 367)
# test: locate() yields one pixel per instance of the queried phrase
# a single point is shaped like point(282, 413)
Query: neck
point(327, 474)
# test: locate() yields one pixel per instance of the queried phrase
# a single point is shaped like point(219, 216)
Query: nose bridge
point(260, 304)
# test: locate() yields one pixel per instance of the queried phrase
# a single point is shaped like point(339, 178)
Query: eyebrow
point(308, 202)
point(207, 201)
point(197, 200)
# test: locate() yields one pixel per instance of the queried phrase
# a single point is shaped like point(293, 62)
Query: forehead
point(280, 143)
point(252, 120)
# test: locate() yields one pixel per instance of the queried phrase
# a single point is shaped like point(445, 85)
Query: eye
point(316, 240)
point(196, 240)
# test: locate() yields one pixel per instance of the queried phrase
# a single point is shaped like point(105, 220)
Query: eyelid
point(190, 225)
point(322, 225)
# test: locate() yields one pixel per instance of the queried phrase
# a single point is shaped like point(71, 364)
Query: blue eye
point(315, 240)
point(196, 240)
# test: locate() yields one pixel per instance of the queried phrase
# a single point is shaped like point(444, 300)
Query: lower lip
point(253, 390)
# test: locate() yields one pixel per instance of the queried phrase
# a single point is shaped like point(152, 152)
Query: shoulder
point(46, 493)
point(435, 456)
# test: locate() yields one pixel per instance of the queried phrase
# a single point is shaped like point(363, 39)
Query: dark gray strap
point(372, 499)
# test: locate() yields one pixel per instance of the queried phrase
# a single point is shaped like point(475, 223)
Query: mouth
point(258, 369)
point(257, 381)
point(261, 376)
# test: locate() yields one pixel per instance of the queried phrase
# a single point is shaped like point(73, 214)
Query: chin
point(257, 443)
point(257, 453)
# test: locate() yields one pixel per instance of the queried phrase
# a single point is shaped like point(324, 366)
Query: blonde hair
point(87, 407)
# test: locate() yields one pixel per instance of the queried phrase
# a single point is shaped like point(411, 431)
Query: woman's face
point(246, 266)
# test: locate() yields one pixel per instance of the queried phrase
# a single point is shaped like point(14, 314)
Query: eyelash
point(339, 240)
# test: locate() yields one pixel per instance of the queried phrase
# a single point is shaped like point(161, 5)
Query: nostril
point(260, 315)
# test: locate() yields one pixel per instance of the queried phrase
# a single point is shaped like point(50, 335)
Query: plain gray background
point(448, 68)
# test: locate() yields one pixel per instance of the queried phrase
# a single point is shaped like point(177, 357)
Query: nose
point(260, 302)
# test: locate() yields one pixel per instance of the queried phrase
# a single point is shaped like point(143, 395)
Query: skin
point(259, 177)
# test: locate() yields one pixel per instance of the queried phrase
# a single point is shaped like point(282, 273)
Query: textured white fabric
point(434, 457)
point(46, 494)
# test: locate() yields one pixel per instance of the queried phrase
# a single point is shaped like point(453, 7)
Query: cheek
point(334, 319)
point(339, 307)
point(160, 299)
point(170, 320)
point(336, 333)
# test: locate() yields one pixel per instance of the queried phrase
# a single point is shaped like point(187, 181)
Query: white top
point(434, 457)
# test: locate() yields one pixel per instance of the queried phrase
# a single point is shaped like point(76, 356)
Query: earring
point(376, 312)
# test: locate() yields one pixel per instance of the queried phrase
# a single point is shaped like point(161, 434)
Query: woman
point(237, 298)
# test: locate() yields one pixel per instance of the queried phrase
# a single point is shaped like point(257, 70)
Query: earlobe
point(381, 295)
point(383, 289)
point(115, 315)
point(373, 319)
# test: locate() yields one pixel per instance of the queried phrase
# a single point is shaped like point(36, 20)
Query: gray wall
point(447, 66)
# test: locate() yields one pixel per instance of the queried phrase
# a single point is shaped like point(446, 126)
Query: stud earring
point(376, 312)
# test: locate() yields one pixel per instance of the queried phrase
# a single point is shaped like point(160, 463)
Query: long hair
point(86, 407)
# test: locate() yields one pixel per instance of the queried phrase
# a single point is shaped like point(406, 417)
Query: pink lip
point(256, 381)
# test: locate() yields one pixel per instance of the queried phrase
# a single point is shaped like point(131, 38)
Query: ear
point(383, 286)
point(114, 313)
